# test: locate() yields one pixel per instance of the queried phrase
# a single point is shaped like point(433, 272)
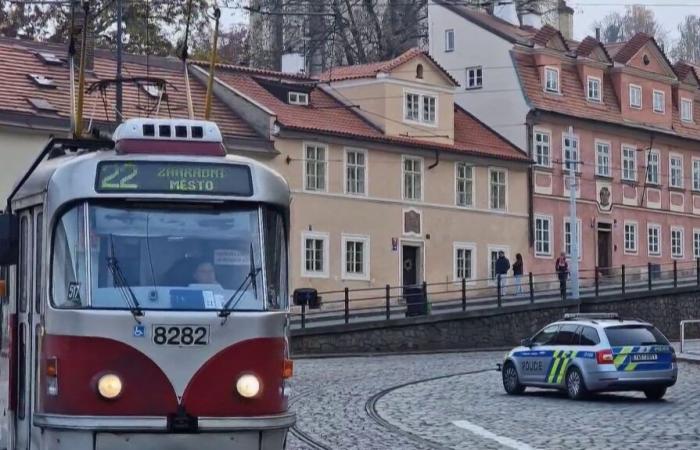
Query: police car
point(586, 353)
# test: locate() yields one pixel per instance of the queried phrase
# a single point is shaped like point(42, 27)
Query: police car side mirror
point(9, 239)
point(526, 342)
point(308, 297)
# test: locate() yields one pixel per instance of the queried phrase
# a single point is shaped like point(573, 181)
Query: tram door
point(28, 292)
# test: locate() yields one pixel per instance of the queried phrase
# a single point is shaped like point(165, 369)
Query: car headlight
point(109, 386)
point(248, 386)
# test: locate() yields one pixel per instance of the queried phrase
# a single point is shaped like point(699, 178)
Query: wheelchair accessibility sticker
point(139, 331)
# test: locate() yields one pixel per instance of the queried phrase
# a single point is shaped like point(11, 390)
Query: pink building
point(624, 111)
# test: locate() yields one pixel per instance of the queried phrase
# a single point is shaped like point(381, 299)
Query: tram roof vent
point(169, 136)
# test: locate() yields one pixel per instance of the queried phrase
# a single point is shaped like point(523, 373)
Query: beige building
point(392, 182)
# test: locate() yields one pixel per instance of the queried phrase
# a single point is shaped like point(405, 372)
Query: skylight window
point(152, 90)
point(49, 58)
point(42, 104)
point(41, 80)
point(298, 98)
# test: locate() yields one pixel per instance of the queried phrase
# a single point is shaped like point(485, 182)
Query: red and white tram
point(146, 300)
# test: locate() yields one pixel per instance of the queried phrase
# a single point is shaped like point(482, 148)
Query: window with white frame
point(653, 162)
point(567, 237)
point(315, 167)
point(675, 163)
point(696, 174)
point(412, 178)
point(659, 98)
point(571, 152)
point(355, 253)
point(551, 76)
point(315, 254)
point(464, 261)
point(474, 77)
point(543, 149)
point(355, 171)
point(696, 244)
point(449, 40)
point(602, 166)
point(654, 240)
point(465, 184)
point(629, 163)
point(686, 110)
point(635, 96)
point(420, 108)
point(630, 237)
point(594, 89)
point(676, 242)
point(543, 236)
point(298, 98)
point(497, 188)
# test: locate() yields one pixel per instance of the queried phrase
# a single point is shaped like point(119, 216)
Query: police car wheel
point(655, 393)
point(511, 382)
point(575, 386)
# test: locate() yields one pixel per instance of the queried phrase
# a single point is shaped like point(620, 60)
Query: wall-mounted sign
point(394, 244)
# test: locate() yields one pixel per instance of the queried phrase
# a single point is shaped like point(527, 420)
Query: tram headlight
point(109, 386)
point(248, 386)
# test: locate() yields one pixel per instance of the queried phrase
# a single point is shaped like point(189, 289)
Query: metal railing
point(346, 306)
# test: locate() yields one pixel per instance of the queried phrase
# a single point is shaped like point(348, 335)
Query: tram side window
point(275, 259)
point(69, 275)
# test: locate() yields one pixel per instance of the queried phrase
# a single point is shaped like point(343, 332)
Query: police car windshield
point(620, 336)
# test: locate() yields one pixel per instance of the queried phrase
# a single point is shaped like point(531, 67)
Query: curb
point(407, 352)
point(687, 359)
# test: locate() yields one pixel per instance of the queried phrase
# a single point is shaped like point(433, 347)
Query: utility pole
point(120, 101)
point(573, 223)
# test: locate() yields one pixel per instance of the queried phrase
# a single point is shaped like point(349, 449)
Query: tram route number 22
point(180, 335)
point(121, 177)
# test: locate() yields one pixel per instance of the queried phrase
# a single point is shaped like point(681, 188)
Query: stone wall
point(491, 329)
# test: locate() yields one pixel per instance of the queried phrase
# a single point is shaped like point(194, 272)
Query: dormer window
point(420, 108)
point(659, 102)
point(551, 77)
point(686, 110)
point(635, 96)
point(298, 98)
point(594, 89)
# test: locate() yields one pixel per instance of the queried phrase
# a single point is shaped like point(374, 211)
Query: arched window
point(419, 71)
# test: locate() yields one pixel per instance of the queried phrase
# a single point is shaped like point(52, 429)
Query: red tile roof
point(19, 59)
point(586, 47)
point(545, 34)
point(572, 101)
point(630, 48)
point(327, 115)
point(371, 70)
point(684, 69)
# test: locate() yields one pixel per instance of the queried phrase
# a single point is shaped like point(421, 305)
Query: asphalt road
point(360, 403)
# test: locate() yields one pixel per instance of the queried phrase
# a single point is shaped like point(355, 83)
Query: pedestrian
point(562, 268)
point(502, 266)
point(518, 273)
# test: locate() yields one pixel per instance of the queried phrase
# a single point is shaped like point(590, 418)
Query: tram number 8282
point(181, 335)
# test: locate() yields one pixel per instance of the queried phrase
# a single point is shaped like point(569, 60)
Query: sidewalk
point(691, 354)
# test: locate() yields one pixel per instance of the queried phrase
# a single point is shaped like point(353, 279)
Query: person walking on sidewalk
point(518, 273)
point(562, 268)
point(502, 266)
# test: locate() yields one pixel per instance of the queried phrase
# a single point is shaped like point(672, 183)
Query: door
point(604, 249)
point(24, 331)
point(409, 265)
point(412, 291)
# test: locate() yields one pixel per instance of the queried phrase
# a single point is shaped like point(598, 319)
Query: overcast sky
point(668, 12)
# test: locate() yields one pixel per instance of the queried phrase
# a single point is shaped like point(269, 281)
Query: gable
point(432, 73)
point(650, 59)
point(557, 43)
point(598, 54)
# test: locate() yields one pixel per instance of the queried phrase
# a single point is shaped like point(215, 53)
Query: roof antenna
point(190, 108)
point(212, 64)
point(78, 125)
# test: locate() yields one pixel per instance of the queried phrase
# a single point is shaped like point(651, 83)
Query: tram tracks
point(373, 414)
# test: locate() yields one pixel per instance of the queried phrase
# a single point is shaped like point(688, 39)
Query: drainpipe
point(437, 161)
point(530, 183)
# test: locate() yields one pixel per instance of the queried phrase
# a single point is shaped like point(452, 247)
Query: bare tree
point(637, 19)
point(687, 47)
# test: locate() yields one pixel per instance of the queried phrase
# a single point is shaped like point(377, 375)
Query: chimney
point(531, 18)
point(507, 12)
point(566, 19)
point(79, 26)
point(597, 34)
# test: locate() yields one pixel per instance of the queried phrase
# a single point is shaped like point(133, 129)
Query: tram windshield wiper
point(122, 284)
point(249, 280)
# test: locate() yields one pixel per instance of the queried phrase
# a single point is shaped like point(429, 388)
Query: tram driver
point(204, 273)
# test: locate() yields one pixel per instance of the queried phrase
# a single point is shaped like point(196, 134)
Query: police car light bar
point(574, 316)
point(169, 136)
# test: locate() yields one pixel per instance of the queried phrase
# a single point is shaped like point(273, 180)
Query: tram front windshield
point(170, 259)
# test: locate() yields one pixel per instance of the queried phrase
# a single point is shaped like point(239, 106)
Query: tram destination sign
point(157, 177)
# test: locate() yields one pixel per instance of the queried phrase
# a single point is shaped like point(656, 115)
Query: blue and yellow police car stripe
point(622, 358)
point(560, 362)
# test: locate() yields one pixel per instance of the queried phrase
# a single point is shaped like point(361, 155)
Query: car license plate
point(181, 335)
point(641, 357)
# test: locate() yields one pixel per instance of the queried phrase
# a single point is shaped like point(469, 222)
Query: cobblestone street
point(331, 401)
